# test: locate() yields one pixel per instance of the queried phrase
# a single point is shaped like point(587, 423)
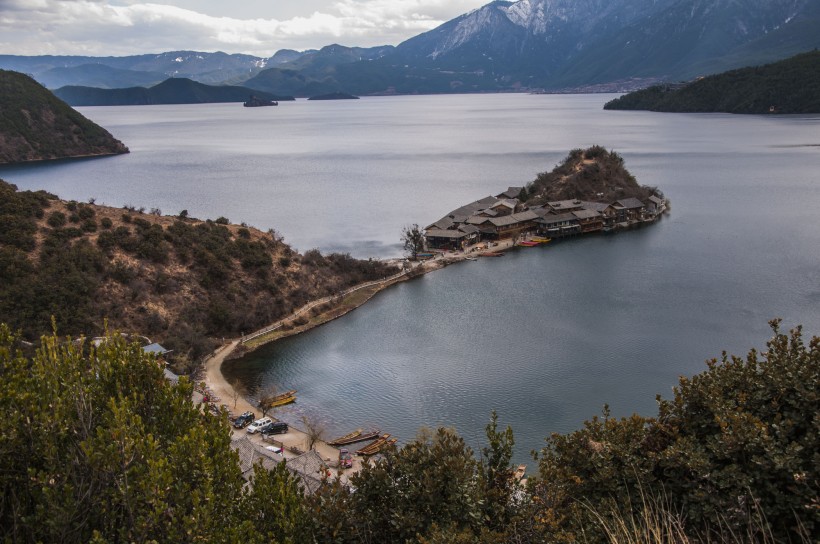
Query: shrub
point(106, 223)
point(222, 221)
point(86, 212)
point(89, 225)
point(56, 220)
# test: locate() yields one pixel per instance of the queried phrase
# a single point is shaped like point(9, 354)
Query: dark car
point(277, 427)
point(243, 421)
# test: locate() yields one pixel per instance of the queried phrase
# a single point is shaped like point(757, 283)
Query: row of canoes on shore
point(360, 436)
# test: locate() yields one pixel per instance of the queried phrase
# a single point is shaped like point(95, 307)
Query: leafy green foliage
point(741, 438)
point(96, 440)
point(97, 446)
point(412, 239)
point(788, 86)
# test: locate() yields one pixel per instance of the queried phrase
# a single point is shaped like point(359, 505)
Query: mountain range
point(552, 45)
point(176, 90)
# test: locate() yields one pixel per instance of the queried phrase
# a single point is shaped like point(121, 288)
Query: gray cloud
point(107, 27)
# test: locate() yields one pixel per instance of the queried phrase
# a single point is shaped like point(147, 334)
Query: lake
point(545, 335)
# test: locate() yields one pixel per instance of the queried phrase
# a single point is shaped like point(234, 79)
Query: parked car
point(276, 427)
point(257, 425)
point(243, 420)
point(345, 459)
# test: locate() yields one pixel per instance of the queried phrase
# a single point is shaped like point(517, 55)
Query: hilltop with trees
point(179, 280)
point(99, 447)
point(592, 174)
point(36, 125)
point(788, 86)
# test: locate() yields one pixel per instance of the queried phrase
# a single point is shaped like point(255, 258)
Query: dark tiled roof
point(656, 200)
point(441, 233)
point(510, 203)
point(564, 204)
point(250, 454)
point(597, 206)
point(477, 220)
point(586, 214)
point(631, 203)
point(511, 219)
point(443, 223)
point(511, 192)
point(308, 467)
point(560, 218)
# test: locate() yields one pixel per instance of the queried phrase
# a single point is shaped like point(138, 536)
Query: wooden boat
point(540, 239)
point(471, 258)
point(520, 472)
point(352, 438)
point(286, 394)
point(282, 401)
point(283, 398)
point(378, 446)
point(374, 446)
point(492, 254)
point(343, 439)
point(526, 243)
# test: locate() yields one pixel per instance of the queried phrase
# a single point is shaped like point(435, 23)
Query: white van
point(257, 425)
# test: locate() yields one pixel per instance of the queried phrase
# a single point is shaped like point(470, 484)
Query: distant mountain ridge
point(505, 46)
point(171, 91)
point(36, 125)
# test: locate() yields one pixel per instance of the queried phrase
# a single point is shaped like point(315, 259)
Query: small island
point(255, 102)
point(334, 96)
point(788, 86)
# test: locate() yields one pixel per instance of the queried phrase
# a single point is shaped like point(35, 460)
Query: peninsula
point(590, 191)
point(35, 125)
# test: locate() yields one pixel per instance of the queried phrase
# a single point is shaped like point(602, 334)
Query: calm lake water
point(545, 336)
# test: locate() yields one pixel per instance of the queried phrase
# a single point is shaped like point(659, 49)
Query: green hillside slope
point(36, 125)
point(789, 86)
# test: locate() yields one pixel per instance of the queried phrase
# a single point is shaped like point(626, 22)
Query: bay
point(545, 336)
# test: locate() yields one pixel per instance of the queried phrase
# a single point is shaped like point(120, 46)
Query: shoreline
point(236, 349)
point(296, 439)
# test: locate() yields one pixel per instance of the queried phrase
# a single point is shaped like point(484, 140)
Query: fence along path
point(309, 306)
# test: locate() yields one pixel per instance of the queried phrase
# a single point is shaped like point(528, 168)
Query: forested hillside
point(99, 447)
point(592, 174)
point(36, 125)
point(178, 280)
point(789, 86)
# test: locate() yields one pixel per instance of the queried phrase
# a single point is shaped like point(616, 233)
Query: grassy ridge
point(181, 281)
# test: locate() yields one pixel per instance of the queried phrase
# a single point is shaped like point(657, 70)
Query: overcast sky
point(257, 27)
